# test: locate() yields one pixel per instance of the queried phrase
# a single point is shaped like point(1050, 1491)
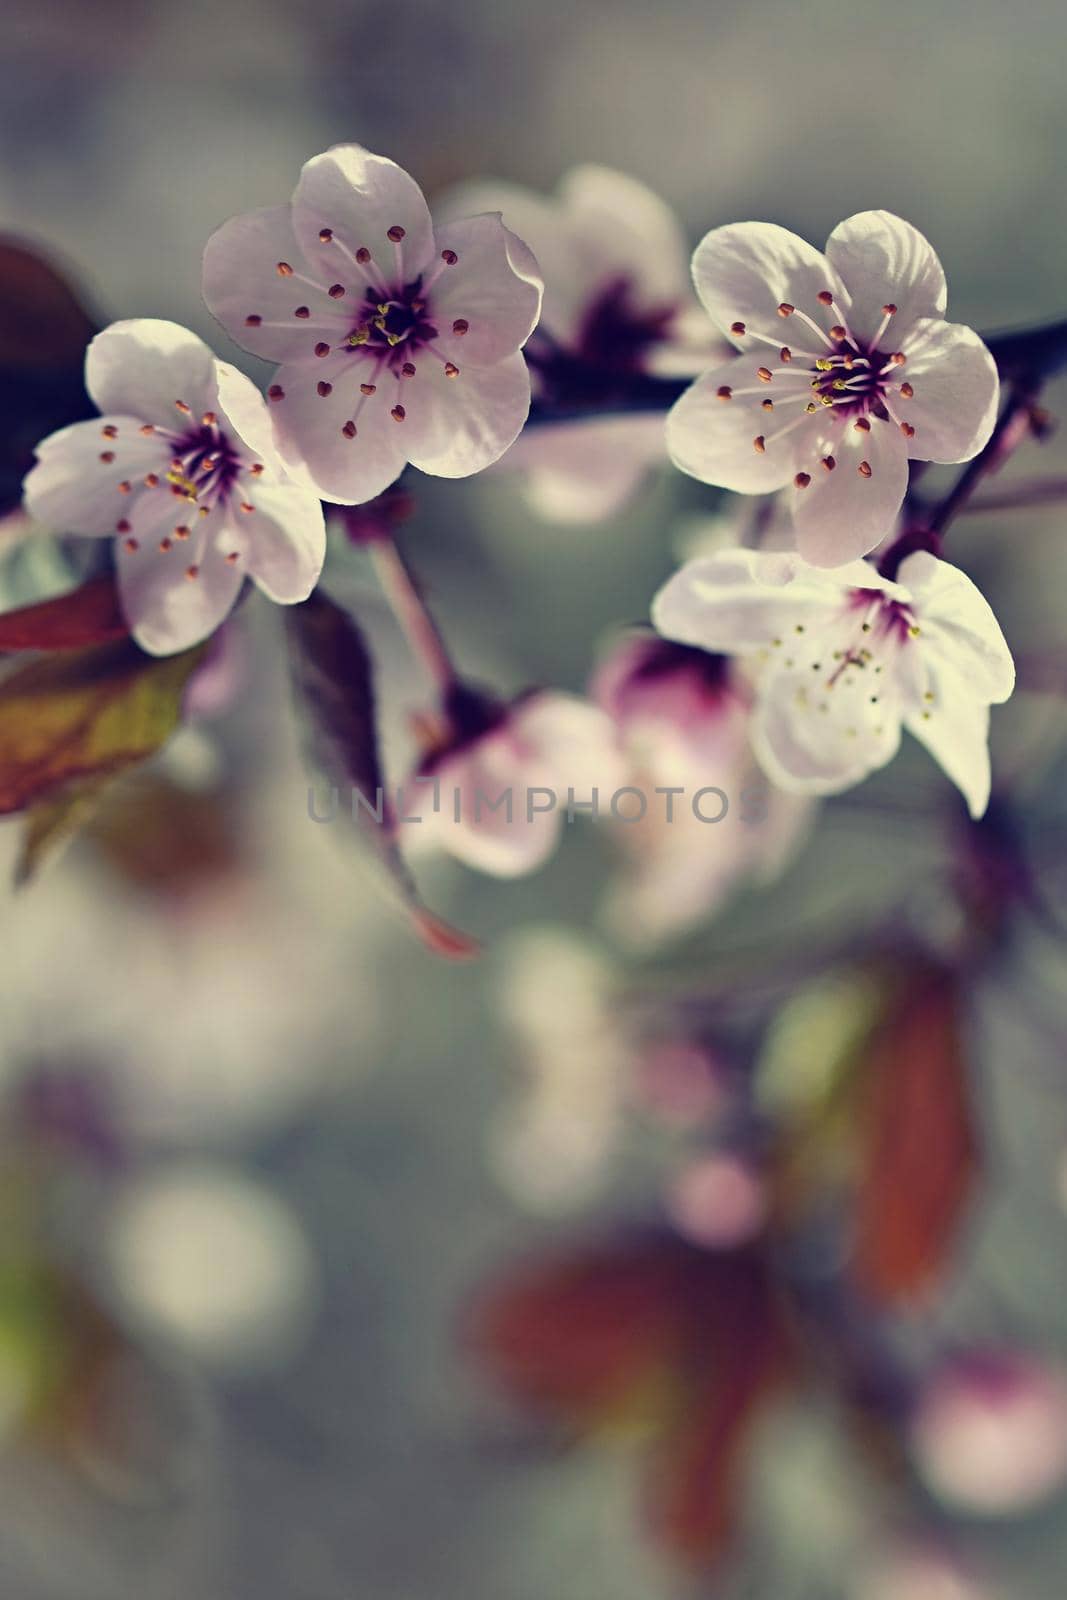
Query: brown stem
point(410, 610)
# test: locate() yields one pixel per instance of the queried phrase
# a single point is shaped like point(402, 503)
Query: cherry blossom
point(396, 340)
point(618, 309)
point(180, 470)
point(844, 659)
point(683, 718)
point(846, 369)
point(497, 794)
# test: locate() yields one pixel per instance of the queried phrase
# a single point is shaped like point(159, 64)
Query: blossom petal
point(958, 626)
point(255, 302)
point(822, 741)
point(954, 727)
point(285, 540)
point(586, 471)
point(456, 426)
point(845, 511)
point(241, 405)
point(956, 390)
point(168, 611)
point(493, 291)
point(745, 271)
point(488, 784)
point(358, 198)
point(574, 744)
point(344, 443)
point(621, 227)
point(144, 367)
point(712, 437)
point(75, 489)
point(741, 600)
point(884, 260)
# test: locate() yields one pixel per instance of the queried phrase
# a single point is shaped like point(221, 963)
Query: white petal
point(72, 489)
point(456, 426)
point(358, 197)
point(843, 513)
point(741, 600)
point(813, 740)
point(958, 626)
point(713, 439)
point(621, 227)
point(494, 287)
point(478, 781)
point(956, 386)
point(884, 260)
point(243, 408)
point(586, 471)
point(242, 282)
point(285, 538)
point(954, 727)
point(167, 610)
point(573, 745)
point(745, 271)
point(143, 367)
point(348, 468)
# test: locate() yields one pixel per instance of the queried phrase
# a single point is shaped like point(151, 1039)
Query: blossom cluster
point(563, 339)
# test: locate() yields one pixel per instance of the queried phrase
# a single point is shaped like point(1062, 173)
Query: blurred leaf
point(165, 839)
point(920, 1153)
point(689, 1342)
point(89, 615)
point(333, 676)
point(43, 334)
point(70, 722)
point(51, 824)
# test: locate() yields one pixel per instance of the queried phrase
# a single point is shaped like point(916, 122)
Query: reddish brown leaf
point(89, 615)
point(919, 1149)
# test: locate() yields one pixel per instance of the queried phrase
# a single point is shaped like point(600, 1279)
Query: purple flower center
point(393, 323)
point(606, 363)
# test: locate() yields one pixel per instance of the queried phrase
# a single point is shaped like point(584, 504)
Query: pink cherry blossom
point(180, 470)
point(845, 659)
point(847, 368)
point(497, 798)
point(683, 716)
point(618, 308)
point(396, 340)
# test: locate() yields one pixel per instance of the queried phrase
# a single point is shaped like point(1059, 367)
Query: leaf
point(44, 330)
point(692, 1343)
point(333, 676)
point(51, 824)
point(89, 615)
point(84, 715)
point(920, 1150)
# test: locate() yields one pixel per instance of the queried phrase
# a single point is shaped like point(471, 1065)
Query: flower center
point(204, 465)
point(393, 323)
point(605, 362)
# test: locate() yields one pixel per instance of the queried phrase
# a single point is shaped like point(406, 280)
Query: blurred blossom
point(213, 1262)
point(618, 308)
point(683, 718)
point(680, 1084)
point(990, 1432)
point(718, 1200)
point(552, 1143)
point(918, 1574)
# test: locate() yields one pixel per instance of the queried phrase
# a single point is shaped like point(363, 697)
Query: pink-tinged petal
point(88, 475)
point(492, 835)
point(622, 227)
point(743, 600)
point(243, 408)
point(485, 305)
point(343, 443)
point(812, 740)
point(958, 626)
point(262, 305)
point(955, 387)
point(885, 261)
point(844, 511)
point(573, 745)
point(712, 431)
point(285, 539)
point(166, 608)
point(587, 471)
point(954, 727)
point(455, 426)
point(144, 367)
point(745, 271)
point(365, 202)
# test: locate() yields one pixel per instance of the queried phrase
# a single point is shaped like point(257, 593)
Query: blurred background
point(264, 1157)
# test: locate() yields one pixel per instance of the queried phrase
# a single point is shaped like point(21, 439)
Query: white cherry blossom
point(181, 471)
point(618, 309)
point(845, 659)
point(846, 368)
point(396, 340)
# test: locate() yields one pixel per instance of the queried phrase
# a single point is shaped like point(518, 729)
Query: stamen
point(368, 388)
point(737, 329)
point(764, 374)
point(451, 370)
point(275, 392)
point(324, 389)
point(322, 349)
point(256, 468)
point(325, 235)
point(802, 480)
point(151, 481)
point(125, 486)
point(398, 413)
point(192, 572)
point(888, 313)
point(907, 430)
point(132, 545)
point(907, 391)
point(253, 320)
point(829, 463)
point(183, 408)
point(408, 369)
point(724, 392)
point(110, 431)
point(785, 309)
point(449, 257)
point(759, 444)
point(349, 429)
point(284, 270)
point(861, 425)
point(302, 311)
point(336, 291)
point(107, 456)
point(122, 526)
point(785, 354)
point(864, 469)
point(460, 327)
point(396, 233)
